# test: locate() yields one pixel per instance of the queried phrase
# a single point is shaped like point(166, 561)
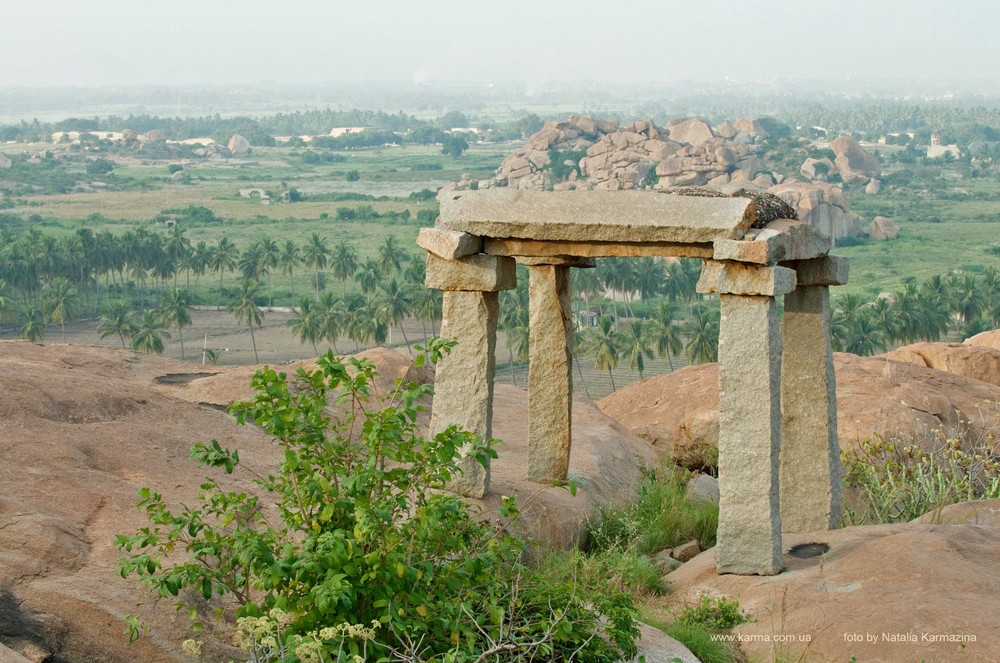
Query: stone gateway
point(778, 454)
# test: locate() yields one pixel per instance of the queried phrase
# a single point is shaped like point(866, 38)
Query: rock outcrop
point(822, 205)
point(971, 361)
point(988, 339)
point(830, 607)
point(883, 228)
point(238, 144)
point(853, 161)
point(640, 155)
point(678, 413)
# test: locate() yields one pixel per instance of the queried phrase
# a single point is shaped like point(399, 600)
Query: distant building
point(936, 149)
point(337, 132)
point(76, 136)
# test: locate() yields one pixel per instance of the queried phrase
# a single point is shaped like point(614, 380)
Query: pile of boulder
point(684, 153)
point(601, 154)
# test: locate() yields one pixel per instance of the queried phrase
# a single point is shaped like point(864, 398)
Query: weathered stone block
point(810, 452)
point(828, 270)
point(477, 272)
point(564, 261)
point(783, 239)
point(463, 385)
point(448, 244)
point(749, 534)
point(550, 392)
point(609, 216)
point(734, 278)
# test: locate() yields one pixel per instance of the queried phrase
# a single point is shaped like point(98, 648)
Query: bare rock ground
point(678, 413)
point(905, 592)
point(83, 428)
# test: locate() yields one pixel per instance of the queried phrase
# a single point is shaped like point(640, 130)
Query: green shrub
point(661, 518)
point(718, 614)
point(367, 556)
point(899, 482)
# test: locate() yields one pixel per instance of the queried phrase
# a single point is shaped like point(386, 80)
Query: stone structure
point(778, 451)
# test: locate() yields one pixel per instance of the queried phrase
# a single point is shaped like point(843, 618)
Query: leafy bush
point(367, 556)
point(719, 614)
point(899, 482)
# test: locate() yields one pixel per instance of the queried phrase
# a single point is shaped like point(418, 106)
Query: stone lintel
point(783, 239)
point(561, 261)
point(734, 278)
point(608, 216)
point(828, 270)
point(478, 272)
point(540, 248)
point(448, 244)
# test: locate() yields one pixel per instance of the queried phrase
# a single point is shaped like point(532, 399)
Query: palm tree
point(369, 276)
point(427, 305)
point(635, 344)
point(306, 323)
point(396, 304)
point(178, 248)
point(702, 330)
point(864, 337)
point(268, 254)
point(344, 262)
point(331, 313)
point(223, 259)
point(118, 320)
point(316, 254)
point(667, 332)
point(244, 308)
point(32, 324)
point(149, 334)
point(176, 310)
point(391, 255)
point(650, 276)
point(601, 342)
point(61, 302)
point(370, 323)
point(289, 257)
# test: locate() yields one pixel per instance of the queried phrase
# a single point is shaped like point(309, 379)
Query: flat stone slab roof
point(596, 216)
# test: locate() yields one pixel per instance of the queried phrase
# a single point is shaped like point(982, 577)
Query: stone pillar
point(810, 451)
point(749, 538)
point(463, 390)
point(749, 534)
point(550, 385)
point(463, 385)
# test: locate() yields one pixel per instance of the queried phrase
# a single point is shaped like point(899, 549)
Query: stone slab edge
point(828, 270)
point(478, 272)
point(783, 239)
point(448, 244)
point(733, 278)
point(609, 216)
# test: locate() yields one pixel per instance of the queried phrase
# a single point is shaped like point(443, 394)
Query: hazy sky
point(113, 42)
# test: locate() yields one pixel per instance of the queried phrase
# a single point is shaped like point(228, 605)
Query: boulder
point(726, 130)
point(690, 132)
point(678, 412)
point(981, 512)
point(154, 136)
point(702, 489)
point(883, 228)
point(822, 205)
point(853, 161)
point(817, 169)
point(830, 607)
point(750, 128)
point(873, 187)
point(971, 361)
point(655, 646)
point(238, 144)
point(989, 339)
